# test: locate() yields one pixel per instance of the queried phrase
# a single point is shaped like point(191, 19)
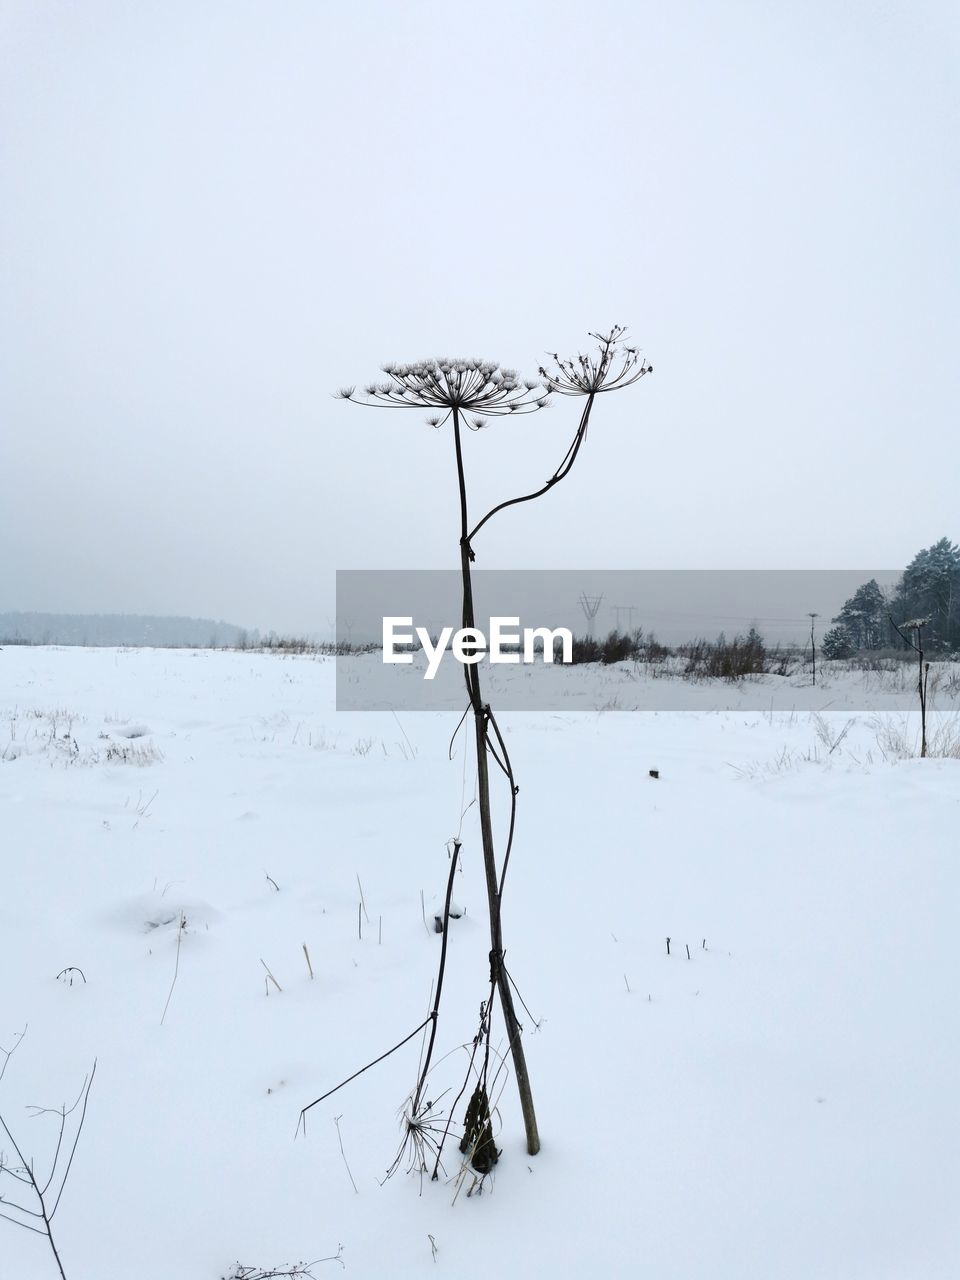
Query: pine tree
point(864, 617)
point(837, 643)
point(930, 588)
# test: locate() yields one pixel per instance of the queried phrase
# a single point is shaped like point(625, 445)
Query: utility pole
point(813, 645)
point(629, 610)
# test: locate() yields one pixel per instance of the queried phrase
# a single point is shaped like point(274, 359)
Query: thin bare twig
point(330, 1092)
point(362, 900)
point(288, 1271)
point(270, 975)
point(176, 968)
point(8, 1053)
point(336, 1121)
point(435, 1012)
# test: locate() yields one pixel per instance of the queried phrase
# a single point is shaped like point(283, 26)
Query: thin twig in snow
point(176, 968)
point(336, 1121)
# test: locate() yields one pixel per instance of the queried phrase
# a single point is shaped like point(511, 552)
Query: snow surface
point(366, 683)
point(783, 1103)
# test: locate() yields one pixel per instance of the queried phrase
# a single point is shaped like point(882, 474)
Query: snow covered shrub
point(616, 647)
point(898, 739)
point(138, 754)
point(945, 679)
point(725, 659)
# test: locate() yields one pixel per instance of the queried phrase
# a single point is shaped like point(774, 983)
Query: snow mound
point(147, 912)
point(131, 731)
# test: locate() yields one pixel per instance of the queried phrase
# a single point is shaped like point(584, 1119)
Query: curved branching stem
point(453, 736)
point(429, 1021)
point(302, 1122)
point(435, 1011)
point(536, 1021)
point(613, 367)
point(507, 768)
point(8, 1053)
point(569, 458)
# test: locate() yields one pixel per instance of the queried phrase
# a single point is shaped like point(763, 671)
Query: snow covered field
point(784, 1103)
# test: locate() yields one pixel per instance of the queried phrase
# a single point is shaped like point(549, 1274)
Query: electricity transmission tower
point(629, 610)
point(590, 606)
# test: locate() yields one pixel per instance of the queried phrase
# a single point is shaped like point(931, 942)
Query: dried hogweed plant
point(465, 394)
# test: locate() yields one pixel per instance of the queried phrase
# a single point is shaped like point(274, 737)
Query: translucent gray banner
point(628, 640)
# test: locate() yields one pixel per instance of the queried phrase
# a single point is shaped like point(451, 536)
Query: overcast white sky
point(214, 214)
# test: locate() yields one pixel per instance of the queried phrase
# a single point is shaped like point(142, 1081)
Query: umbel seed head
point(472, 387)
point(612, 367)
point(482, 389)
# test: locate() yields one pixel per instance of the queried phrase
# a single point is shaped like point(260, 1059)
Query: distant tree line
point(121, 629)
point(928, 588)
